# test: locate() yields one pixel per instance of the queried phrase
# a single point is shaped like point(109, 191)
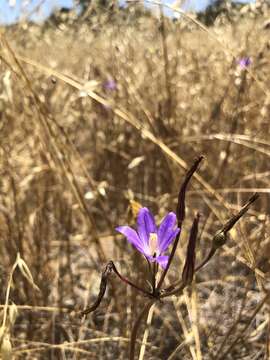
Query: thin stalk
point(189, 267)
point(135, 329)
point(166, 63)
point(219, 240)
point(180, 212)
point(154, 274)
point(128, 282)
point(173, 292)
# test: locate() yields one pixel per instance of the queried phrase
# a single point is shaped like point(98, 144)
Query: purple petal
point(167, 242)
point(165, 231)
point(244, 62)
point(146, 225)
point(166, 225)
point(162, 261)
point(110, 85)
point(132, 237)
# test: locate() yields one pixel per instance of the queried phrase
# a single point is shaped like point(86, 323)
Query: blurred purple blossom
point(150, 240)
point(110, 85)
point(244, 62)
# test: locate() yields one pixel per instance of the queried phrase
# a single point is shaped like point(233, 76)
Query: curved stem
point(135, 329)
point(175, 291)
point(206, 260)
point(126, 281)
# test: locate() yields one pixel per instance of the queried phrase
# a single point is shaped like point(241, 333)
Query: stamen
point(153, 244)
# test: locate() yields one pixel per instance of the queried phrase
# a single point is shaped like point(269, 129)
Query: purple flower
point(110, 85)
point(244, 62)
point(149, 240)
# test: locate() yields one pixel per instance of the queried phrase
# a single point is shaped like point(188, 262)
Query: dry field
point(96, 115)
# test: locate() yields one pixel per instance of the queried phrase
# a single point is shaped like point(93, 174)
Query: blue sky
point(10, 14)
point(12, 10)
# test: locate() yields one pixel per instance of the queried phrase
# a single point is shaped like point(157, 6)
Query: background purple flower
point(150, 240)
point(110, 85)
point(244, 62)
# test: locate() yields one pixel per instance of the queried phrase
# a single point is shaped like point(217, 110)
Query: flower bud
point(219, 239)
point(189, 267)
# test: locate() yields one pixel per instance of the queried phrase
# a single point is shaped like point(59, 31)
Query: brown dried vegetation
point(73, 154)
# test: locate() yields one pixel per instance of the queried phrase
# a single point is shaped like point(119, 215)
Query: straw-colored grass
point(73, 153)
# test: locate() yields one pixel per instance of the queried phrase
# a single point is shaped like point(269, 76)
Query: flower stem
point(128, 282)
point(180, 213)
point(135, 329)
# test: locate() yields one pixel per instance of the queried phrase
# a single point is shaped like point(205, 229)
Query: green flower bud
point(219, 239)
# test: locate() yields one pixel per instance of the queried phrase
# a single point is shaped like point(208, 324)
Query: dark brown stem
point(180, 213)
point(173, 291)
point(128, 282)
point(230, 223)
point(135, 329)
point(181, 206)
point(206, 260)
point(154, 273)
point(103, 285)
point(102, 288)
point(221, 236)
point(189, 267)
point(218, 240)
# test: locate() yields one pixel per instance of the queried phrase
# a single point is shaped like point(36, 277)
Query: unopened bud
point(189, 267)
point(219, 239)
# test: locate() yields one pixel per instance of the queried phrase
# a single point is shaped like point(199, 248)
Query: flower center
point(153, 244)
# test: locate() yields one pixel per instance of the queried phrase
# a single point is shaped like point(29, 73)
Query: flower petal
point(169, 240)
point(162, 261)
point(165, 231)
point(146, 225)
point(132, 237)
point(167, 223)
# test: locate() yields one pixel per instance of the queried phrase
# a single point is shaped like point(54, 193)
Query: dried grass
point(73, 154)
